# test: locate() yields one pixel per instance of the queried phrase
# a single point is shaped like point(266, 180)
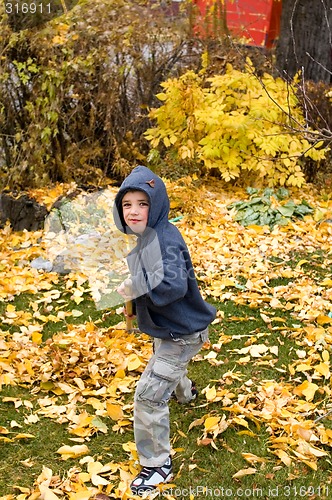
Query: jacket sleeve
point(162, 270)
point(168, 279)
point(173, 286)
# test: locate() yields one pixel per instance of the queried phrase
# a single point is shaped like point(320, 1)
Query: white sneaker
point(149, 478)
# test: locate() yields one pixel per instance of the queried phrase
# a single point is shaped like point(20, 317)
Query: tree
point(305, 41)
point(75, 91)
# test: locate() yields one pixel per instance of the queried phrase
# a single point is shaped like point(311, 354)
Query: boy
point(169, 307)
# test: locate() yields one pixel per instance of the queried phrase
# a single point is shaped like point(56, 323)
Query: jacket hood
point(143, 179)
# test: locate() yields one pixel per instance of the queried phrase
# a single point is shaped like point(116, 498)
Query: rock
point(22, 212)
point(40, 263)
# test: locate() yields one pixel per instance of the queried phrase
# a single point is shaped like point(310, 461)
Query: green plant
point(267, 209)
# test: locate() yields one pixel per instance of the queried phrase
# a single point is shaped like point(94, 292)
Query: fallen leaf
point(244, 472)
point(75, 451)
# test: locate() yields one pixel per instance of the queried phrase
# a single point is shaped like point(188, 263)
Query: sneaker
point(194, 391)
point(149, 478)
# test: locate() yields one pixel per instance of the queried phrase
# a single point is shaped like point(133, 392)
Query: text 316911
point(16, 7)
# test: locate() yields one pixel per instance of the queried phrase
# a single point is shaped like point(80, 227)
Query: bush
point(239, 124)
point(75, 91)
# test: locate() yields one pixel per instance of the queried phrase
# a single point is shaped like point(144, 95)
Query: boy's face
point(135, 209)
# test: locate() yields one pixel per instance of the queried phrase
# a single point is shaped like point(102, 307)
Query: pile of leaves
point(266, 209)
point(83, 375)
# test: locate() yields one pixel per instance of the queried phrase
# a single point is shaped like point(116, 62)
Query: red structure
point(255, 22)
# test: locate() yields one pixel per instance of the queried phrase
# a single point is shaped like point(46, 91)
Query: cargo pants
point(165, 373)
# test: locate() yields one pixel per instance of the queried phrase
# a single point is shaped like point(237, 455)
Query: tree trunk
point(305, 40)
point(22, 212)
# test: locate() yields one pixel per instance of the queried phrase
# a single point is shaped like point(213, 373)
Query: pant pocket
point(204, 335)
point(161, 382)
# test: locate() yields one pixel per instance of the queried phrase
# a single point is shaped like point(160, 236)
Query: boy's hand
point(125, 289)
point(127, 315)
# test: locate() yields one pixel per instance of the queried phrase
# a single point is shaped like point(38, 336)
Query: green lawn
point(205, 461)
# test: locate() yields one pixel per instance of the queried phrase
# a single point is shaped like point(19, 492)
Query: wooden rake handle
point(129, 312)
point(129, 309)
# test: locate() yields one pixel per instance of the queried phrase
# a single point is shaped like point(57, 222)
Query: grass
point(203, 471)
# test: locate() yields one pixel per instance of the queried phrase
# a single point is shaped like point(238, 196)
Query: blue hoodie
point(168, 303)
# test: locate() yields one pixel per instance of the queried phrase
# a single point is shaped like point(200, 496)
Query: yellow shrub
point(235, 122)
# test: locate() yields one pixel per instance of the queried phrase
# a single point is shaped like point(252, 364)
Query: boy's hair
point(131, 190)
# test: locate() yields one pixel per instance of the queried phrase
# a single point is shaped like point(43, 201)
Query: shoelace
point(145, 472)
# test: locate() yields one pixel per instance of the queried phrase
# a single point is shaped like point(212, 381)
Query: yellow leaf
point(323, 320)
point(133, 362)
point(257, 350)
point(240, 421)
point(323, 369)
point(120, 373)
point(312, 465)
point(24, 436)
point(326, 282)
point(244, 472)
point(251, 458)
point(79, 383)
point(211, 422)
point(303, 367)
point(257, 229)
point(307, 389)
point(98, 480)
point(211, 393)
point(84, 477)
point(75, 313)
point(19, 488)
point(182, 434)
point(5, 439)
point(283, 457)
point(226, 282)
point(58, 40)
point(124, 422)
point(73, 451)
point(161, 96)
point(325, 355)
point(244, 360)
point(301, 262)
point(130, 446)
point(28, 367)
point(37, 337)
point(114, 411)
point(48, 494)
point(306, 449)
point(198, 421)
point(247, 433)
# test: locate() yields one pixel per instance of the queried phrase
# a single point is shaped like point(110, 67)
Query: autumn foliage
point(238, 124)
point(84, 376)
point(75, 91)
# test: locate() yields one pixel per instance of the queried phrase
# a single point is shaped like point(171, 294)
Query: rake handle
point(129, 307)
point(129, 311)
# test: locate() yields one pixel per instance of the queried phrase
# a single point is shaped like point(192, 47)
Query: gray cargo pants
point(165, 373)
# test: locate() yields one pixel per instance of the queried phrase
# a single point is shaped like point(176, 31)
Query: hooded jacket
point(168, 301)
